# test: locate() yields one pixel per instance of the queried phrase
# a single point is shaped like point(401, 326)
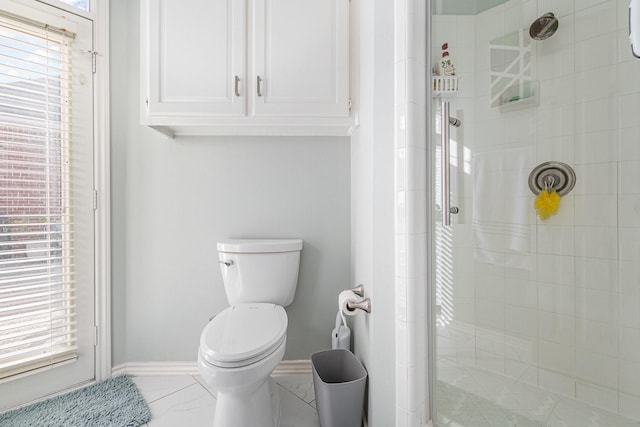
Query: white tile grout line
point(204, 386)
point(297, 397)
point(174, 392)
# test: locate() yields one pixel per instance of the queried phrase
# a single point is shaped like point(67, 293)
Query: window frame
point(99, 14)
point(93, 12)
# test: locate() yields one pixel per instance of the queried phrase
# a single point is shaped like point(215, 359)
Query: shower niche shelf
point(445, 85)
point(519, 103)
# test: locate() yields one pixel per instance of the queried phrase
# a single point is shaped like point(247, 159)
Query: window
point(37, 228)
point(80, 4)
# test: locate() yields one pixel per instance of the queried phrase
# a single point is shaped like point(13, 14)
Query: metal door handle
point(445, 167)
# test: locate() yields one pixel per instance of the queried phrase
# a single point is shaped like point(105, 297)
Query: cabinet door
point(195, 57)
point(300, 58)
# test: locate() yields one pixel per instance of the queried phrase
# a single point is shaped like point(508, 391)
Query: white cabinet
point(191, 56)
point(246, 67)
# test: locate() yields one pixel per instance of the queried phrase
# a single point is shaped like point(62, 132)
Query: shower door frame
point(430, 255)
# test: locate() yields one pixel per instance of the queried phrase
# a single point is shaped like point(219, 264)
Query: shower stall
point(533, 321)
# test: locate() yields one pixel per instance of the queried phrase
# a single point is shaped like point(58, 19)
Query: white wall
point(173, 199)
point(372, 201)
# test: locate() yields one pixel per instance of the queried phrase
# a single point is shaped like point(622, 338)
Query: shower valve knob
point(454, 210)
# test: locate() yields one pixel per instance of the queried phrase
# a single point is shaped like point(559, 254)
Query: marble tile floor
point(470, 397)
point(184, 400)
point(467, 397)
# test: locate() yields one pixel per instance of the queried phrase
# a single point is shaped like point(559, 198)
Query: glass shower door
point(536, 321)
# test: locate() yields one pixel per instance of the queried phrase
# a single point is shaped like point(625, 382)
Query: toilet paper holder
point(364, 305)
point(358, 290)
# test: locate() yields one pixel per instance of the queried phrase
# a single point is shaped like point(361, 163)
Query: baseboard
point(156, 368)
point(119, 370)
point(286, 367)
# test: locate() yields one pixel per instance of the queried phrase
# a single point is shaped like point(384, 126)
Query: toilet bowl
point(242, 345)
point(239, 349)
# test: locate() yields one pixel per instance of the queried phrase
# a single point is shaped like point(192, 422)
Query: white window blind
point(37, 296)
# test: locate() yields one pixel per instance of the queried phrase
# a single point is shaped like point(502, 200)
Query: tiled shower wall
point(410, 147)
point(558, 307)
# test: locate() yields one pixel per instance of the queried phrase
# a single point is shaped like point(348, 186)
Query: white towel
point(501, 212)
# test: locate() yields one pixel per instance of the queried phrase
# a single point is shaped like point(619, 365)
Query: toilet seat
point(243, 334)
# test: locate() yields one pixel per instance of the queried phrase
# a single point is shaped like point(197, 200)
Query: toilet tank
point(260, 270)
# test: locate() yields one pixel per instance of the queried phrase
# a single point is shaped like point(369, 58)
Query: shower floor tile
point(471, 397)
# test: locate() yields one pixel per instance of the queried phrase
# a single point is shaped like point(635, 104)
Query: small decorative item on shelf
point(444, 78)
point(446, 66)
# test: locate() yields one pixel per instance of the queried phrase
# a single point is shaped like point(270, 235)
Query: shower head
point(544, 27)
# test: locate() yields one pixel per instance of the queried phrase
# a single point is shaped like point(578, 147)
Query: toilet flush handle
point(227, 262)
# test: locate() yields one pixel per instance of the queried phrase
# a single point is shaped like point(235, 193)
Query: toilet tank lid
point(259, 245)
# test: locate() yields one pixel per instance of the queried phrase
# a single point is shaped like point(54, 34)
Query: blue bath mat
point(111, 403)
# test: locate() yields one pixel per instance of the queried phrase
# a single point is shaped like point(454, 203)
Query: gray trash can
point(339, 381)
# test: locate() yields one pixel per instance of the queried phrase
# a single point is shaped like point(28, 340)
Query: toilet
point(241, 346)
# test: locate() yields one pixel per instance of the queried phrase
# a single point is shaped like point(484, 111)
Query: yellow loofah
point(546, 204)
